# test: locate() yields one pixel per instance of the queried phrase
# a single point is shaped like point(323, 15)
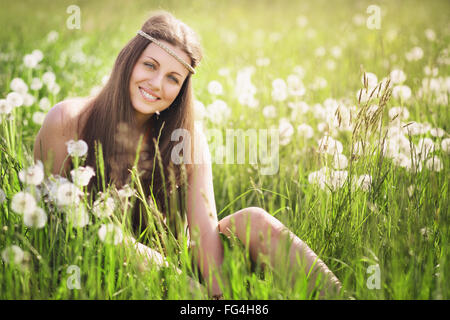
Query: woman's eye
point(151, 65)
point(172, 78)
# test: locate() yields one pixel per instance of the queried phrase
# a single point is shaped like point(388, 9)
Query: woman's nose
point(156, 81)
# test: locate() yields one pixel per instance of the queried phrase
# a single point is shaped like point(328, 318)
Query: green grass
point(349, 229)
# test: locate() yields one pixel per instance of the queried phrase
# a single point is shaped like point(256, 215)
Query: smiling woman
point(149, 93)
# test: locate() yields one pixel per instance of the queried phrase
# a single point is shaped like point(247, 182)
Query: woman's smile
point(149, 95)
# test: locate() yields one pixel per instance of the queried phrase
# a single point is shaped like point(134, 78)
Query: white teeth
point(148, 96)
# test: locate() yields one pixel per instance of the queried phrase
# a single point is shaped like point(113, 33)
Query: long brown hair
point(110, 120)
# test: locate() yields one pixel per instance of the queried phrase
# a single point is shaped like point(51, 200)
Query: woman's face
point(156, 80)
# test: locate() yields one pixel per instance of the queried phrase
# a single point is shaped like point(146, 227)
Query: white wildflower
point(28, 99)
point(397, 76)
point(82, 175)
point(415, 54)
point(401, 92)
point(430, 34)
point(2, 196)
point(372, 80)
point(48, 78)
point(110, 233)
point(5, 107)
point(13, 254)
point(77, 216)
point(340, 161)
point(399, 113)
point(32, 175)
point(30, 61)
point(279, 90)
point(199, 110)
point(18, 85)
point(23, 203)
point(218, 111)
point(36, 219)
point(215, 87)
point(52, 36)
point(103, 208)
point(365, 182)
point(434, 164)
point(329, 145)
point(286, 130)
point(437, 132)
point(337, 179)
point(68, 194)
point(445, 144)
point(269, 112)
point(77, 148)
point(14, 99)
point(38, 55)
point(38, 117)
point(44, 104)
point(125, 192)
point(305, 130)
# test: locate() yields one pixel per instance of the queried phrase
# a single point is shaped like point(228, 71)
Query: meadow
point(357, 91)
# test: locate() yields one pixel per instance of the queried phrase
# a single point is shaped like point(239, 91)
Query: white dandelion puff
point(110, 233)
point(434, 164)
point(23, 203)
point(77, 216)
point(36, 219)
point(13, 254)
point(5, 107)
point(340, 161)
point(77, 148)
point(305, 130)
point(215, 87)
point(445, 144)
point(397, 76)
point(269, 112)
point(2, 196)
point(14, 99)
point(103, 208)
point(82, 175)
point(32, 175)
point(364, 182)
point(68, 194)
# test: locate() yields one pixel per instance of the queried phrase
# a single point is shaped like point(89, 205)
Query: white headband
point(167, 49)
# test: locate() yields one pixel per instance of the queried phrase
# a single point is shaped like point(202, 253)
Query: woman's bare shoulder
point(60, 125)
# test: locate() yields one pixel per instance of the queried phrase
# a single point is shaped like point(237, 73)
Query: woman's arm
point(202, 216)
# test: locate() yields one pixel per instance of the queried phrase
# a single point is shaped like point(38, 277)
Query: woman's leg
point(268, 236)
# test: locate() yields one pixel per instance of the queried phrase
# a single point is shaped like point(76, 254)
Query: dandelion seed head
point(68, 194)
point(36, 219)
point(23, 203)
point(110, 233)
point(77, 216)
point(77, 148)
point(13, 254)
point(5, 107)
point(33, 175)
point(434, 164)
point(82, 175)
point(14, 99)
point(215, 87)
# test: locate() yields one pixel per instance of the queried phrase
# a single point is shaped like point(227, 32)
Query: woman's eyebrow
point(159, 65)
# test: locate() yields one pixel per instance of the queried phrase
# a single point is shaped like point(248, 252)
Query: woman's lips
point(151, 97)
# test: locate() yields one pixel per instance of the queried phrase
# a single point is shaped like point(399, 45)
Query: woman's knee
point(257, 219)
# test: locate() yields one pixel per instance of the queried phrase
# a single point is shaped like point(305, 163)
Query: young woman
point(149, 93)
